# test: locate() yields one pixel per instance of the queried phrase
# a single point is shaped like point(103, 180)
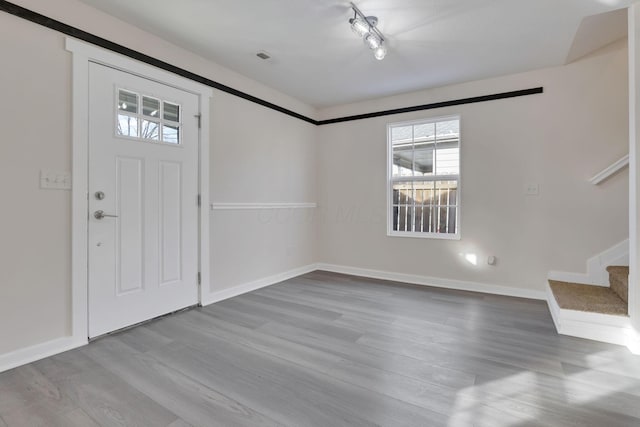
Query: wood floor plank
point(294, 383)
point(190, 400)
point(111, 402)
point(327, 349)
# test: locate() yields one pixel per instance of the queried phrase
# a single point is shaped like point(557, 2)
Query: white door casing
point(143, 260)
point(84, 54)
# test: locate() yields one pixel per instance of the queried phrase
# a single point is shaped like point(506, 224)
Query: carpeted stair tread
point(594, 299)
point(619, 281)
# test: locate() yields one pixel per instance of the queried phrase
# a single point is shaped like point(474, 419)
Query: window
point(147, 118)
point(424, 178)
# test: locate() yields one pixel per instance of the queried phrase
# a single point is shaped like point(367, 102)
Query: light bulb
point(380, 52)
point(373, 41)
point(359, 26)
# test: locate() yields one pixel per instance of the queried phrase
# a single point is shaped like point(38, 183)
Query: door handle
point(101, 215)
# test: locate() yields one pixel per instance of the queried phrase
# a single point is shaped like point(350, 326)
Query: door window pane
point(150, 130)
point(127, 126)
point(171, 112)
point(150, 107)
point(171, 134)
point(127, 101)
point(156, 120)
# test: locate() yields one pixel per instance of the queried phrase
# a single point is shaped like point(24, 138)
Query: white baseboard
point(39, 351)
point(213, 297)
point(597, 267)
point(593, 326)
point(435, 282)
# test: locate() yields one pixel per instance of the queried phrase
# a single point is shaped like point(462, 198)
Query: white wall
point(557, 139)
point(260, 156)
point(257, 155)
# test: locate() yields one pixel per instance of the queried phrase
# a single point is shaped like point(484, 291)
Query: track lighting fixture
point(365, 27)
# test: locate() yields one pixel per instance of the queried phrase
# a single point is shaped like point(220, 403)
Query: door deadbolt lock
point(101, 215)
point(99, 195)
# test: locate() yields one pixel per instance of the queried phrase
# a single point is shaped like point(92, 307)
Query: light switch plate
point(55, 180)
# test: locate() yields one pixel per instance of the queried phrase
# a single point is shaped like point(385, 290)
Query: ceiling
point(318, 60)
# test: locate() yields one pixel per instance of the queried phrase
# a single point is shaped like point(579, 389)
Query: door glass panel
point(171, 112)
point(127, 101)
point(171, 134)
point(127, 126)
point(150, 107)
point(150, 130)
point(157, 120)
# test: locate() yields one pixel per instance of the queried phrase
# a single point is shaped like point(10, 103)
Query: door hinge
point(199, 200)
point(199, 278)
point(199, 117)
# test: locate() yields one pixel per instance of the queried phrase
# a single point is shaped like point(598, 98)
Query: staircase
point(592, 311)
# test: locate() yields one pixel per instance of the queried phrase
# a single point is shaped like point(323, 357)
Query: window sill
point(418, 235)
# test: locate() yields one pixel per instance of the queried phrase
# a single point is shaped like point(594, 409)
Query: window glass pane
point(396, 218)
point(452, 225)
point(150, 107)
point(424, 132)
point(150, 130)
point(171, 134)
point(403, 162)
point(127, 126)
point(446, 192)
point(447, 130)
point(425, 150)
point(127, 101)
point(171, 112)
point(423, 159)
point(448, 161)
point(396, 196)
point(401, 135)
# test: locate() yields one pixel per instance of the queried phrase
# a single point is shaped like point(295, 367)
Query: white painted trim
point(204, 263)
point(593, 326)
point(83, 54)
point(596, 274)
point(115, 60)
point(79, 193)
point(258, 206)
point(565, 276)
point(217, 296)
point(634, 145)
point(609, 171)
point(39, 351)
point(435, 282)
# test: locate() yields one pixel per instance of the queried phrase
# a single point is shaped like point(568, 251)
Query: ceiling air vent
point(263, 55)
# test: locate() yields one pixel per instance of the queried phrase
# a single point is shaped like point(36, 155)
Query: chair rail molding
point(610, 170)
point(258, 206)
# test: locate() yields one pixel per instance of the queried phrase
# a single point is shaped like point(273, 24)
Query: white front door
point(143, 209)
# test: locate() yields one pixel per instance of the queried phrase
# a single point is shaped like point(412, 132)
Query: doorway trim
point(82, 55)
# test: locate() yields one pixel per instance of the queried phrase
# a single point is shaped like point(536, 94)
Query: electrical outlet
point(55, 180)
point(532, 189)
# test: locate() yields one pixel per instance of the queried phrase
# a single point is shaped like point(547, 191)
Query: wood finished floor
point(332, 350)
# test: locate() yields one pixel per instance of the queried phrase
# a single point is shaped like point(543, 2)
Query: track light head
point(365, 27)
point(372, 41)
point(380, 52)
point(359, 26)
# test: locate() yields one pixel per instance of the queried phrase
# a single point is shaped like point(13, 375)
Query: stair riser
point(620, 287)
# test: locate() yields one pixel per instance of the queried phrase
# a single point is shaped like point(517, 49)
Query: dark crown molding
point(63, 28)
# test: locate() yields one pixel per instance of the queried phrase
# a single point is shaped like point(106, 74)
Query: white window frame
point(391, 180)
